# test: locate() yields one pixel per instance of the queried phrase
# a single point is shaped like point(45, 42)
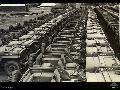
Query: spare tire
point(10, 66)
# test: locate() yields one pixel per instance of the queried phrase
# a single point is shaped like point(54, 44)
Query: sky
point(12, 5)
point(48, 4)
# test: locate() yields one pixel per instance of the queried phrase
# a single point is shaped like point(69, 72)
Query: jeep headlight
point(7, 54)
point(10, 54)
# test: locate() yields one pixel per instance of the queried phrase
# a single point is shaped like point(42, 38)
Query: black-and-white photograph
point(59, 42)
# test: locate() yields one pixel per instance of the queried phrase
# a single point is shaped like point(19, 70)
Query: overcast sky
point(48, 4)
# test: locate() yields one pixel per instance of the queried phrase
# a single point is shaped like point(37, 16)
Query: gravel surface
point(3, 75)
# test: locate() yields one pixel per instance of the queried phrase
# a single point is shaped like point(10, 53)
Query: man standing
point(0, 42)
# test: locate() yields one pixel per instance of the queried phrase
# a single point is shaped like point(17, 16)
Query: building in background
point(78, 5)
point(47, 7)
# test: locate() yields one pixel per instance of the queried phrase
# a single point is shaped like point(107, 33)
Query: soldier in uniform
point(39, 60)
point(43, 48)
point(0, 42)
point(31, 59)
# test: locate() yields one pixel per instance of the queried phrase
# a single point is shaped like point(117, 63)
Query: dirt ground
point(3, 75)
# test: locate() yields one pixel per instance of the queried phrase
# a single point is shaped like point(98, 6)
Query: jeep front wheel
point(10, 66)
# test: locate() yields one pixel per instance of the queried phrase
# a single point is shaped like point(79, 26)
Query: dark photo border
point(66, 86)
